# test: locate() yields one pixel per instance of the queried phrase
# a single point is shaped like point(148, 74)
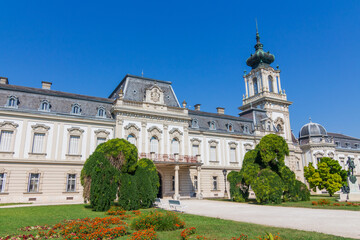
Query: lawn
point(11, 219)
point(8, 204)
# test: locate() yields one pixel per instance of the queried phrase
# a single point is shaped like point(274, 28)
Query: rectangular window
point(232, 154)
point(215, 183)
point(5, 140)
point(297, 165)
point(195, 150)
point(343, 164)
point(2, 182)
point(34, 180)
point(100, 140)
point(38, 142)
point(213, 153)
point(195, 182)
point(71, 183)
point(74, 144)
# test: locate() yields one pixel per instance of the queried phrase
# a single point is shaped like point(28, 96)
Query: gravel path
point(336, 222)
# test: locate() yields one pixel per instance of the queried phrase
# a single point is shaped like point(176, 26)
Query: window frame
point(215, 184)
point(10, 99)
point(11, 127)
point(48, 106)
point(76, 132)
point(76, 106)
point(195, 123)
point(37, 182)
point(39, 129)
point(74, 181)
point(103, 109)
point(3, 182)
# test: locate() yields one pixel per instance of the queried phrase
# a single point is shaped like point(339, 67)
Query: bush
point(128, 193)
point(158, 220)
point(121, 153)
point(116, 210)
point(268, 187)
point(104, 182)
point(250, 168)
point(239, 192)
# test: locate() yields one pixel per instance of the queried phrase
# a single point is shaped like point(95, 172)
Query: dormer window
point(195, 123)
point(44, 106)
point(229, 127)
point(337, 144)
point(356, 145)
point(347, 145)
point(76, 109)
point(246, 129)
point(212, 125)
point(12, 102)
point(101, 112)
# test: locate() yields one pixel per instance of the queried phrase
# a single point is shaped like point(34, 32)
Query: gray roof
point(312, 130)
point(134, 89)
point(345, 142)
point(257, 116)
point(221, 121)
point(61, 103)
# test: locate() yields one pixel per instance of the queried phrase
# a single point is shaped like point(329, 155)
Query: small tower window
point(76, 109)
point(194, 123)
point(212, 125)
point(255, 83)
point(12, 102)
point(230, 127)
point(271, 82)
point(246, 129)
point(44, 106)
point(101, 112)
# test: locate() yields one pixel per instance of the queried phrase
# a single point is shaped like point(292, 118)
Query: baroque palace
point(47, 135)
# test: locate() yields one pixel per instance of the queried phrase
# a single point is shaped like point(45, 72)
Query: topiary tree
point(264, 170)
point(268, 187)
point(239, 191)
point(113, 171)
point(328, 175)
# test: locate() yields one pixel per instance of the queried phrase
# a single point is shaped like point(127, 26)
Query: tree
point(328, 175)
point(265, 171)
point(113, 171)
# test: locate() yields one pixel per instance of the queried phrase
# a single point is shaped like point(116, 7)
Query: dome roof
point(312, 130)
point(260, 57)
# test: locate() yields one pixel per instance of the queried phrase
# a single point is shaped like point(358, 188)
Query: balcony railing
point(170, 158)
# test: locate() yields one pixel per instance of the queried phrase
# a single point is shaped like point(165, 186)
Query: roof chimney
point(46, 85)
point(220, 110)
point(197, 107)
point(4, 80)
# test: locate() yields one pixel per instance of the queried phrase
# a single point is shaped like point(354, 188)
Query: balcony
point(171, 158)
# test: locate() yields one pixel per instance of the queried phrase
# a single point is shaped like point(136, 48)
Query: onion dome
point(312, 130)
point(260, 58)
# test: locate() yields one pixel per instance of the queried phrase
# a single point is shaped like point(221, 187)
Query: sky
point(87, 47)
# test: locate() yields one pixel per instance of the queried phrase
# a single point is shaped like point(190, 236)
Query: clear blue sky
point(201, 46)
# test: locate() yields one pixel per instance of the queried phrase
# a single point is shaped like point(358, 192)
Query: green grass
point(11, 219)
point(7, 204)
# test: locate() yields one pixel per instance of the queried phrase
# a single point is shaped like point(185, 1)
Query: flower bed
point(325, 202)
point(146, 234)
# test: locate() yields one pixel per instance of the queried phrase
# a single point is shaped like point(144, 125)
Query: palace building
point(47, 135)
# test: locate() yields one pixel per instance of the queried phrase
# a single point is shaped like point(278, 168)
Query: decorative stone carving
point(40, 128)
point(8, 125)
point(233, 144)
point(75, 131)
point(175, 133)
point(155, 132)
point(213, 142)
point(154, 94)
point(102, 133)
point(133, 129)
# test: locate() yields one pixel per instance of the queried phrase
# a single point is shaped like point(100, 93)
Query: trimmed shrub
point(273, 149)
point(158, 220)
point(250, 168)
point(239, 192)
point(122, 154)
point(268, 187)
point(128, 194)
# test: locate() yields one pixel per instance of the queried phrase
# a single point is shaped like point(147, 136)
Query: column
point(166, 141)
point(118, 130)
point(198, 194)
point(279, 84)
point(177, 195)
point(186, 142)
point(246, 88)
point(143, 137)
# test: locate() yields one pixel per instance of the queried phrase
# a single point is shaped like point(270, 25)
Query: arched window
point(76, 109)
point(44, 106)
point(12, 102)
point(195, 123)
point(255, 84)
point(212, 125)
point(154, 145)
point(271, 82)
point(132, 139)
point(101, 112)
point(279, 128)
point(175, 145)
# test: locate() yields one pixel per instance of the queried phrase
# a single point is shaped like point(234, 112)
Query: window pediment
point(132, 126)
point(154, 129)
point(75, 131)
point(195, 140)
point(213, 142)
point(102, 133)
point(40, 128)
point(8, 125)
point(233, 144)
